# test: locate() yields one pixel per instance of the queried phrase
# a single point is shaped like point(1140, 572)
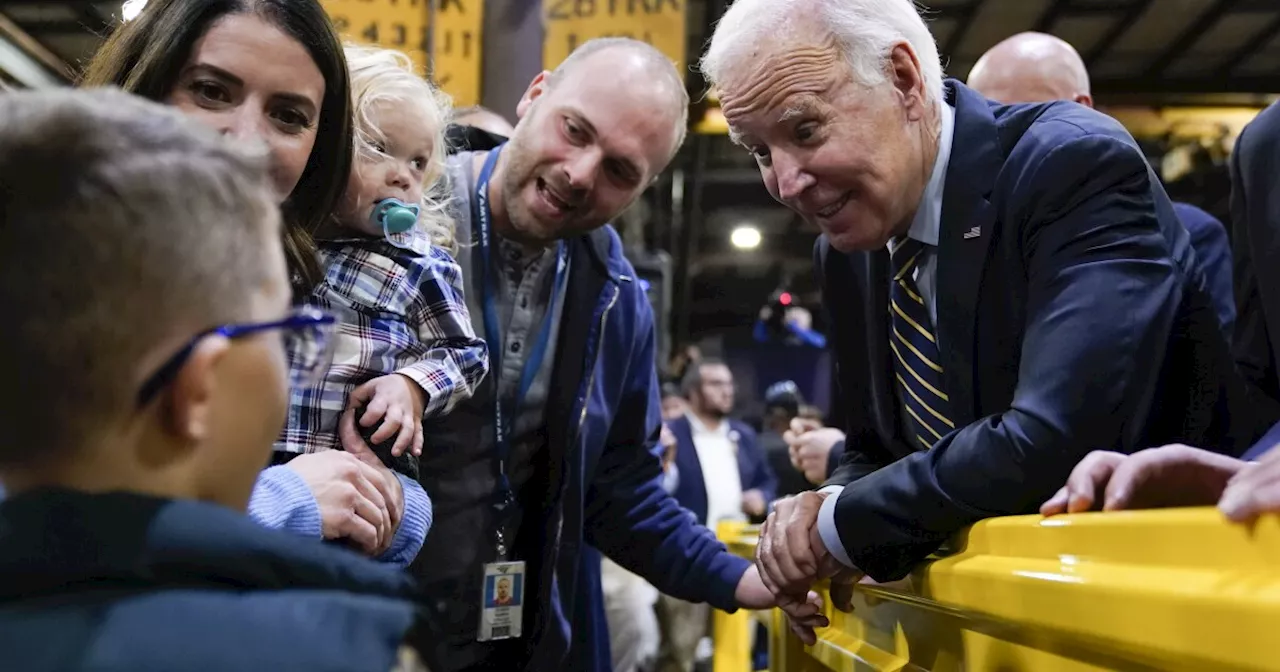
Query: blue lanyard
point(482, 215)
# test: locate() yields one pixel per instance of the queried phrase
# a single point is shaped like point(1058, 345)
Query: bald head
point(627, 58)
point(484, 119)
point(1031, 68)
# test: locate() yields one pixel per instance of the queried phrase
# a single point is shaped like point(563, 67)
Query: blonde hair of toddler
point(380, 75)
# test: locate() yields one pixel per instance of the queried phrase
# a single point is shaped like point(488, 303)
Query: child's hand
point(398, 402)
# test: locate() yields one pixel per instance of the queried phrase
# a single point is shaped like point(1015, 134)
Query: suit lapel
point(688, 464)
point(964, 240)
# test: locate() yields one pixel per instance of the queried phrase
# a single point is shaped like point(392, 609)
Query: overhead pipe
point(28, 62)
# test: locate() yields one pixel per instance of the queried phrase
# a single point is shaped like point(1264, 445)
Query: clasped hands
point(791, 557)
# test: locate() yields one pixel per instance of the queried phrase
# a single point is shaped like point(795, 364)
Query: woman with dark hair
point(268, 69)
point(273, 72)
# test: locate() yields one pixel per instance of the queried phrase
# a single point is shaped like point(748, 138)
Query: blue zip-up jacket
point(605, 485)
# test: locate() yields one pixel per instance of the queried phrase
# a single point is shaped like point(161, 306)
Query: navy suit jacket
point(753, 468)
point(1078, 319)
point(1213, 250)
point(1255, 240)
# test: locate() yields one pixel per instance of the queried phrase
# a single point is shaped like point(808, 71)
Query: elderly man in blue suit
point(1008, 286)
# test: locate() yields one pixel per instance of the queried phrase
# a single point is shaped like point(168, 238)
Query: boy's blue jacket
point(133, 583)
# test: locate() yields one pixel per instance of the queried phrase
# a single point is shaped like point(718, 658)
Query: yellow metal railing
point(1153, 590)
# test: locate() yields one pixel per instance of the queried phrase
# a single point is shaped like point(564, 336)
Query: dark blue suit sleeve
point(1102, 296)
point(631, 518)
point(1213, 252)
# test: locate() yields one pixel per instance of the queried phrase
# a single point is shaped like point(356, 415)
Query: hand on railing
point(1173, 475)
point(1254, 489)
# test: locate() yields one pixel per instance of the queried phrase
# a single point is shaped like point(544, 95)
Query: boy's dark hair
point(146, 56)
point(124, 228)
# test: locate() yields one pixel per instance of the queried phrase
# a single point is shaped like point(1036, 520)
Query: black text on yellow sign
point(454, 40)
point(569, 23)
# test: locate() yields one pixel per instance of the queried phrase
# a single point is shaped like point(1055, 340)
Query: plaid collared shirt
point(398, 311)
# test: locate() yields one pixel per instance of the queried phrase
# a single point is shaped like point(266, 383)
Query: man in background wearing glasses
point(145, 299)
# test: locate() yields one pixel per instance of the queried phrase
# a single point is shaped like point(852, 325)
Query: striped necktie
point(915, 350)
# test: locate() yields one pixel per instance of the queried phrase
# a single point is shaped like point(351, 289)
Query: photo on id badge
point(503, 593)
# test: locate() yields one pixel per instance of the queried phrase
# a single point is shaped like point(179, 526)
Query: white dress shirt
point(924, 228)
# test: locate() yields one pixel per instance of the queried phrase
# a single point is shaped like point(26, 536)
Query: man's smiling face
point(845, 156)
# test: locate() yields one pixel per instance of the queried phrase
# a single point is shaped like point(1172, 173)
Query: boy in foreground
point(143, 287)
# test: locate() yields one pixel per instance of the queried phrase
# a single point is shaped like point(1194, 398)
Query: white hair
point(385, 75)
point(865, 30)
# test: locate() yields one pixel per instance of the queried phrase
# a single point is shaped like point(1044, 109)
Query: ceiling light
point(745, 237)
point(131, 9)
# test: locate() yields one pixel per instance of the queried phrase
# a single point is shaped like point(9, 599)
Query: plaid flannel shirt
point(398, 311)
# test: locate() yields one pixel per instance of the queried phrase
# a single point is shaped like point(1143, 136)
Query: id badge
point(501, 601)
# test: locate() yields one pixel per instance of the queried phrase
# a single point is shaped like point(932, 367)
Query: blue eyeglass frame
point(303, 318)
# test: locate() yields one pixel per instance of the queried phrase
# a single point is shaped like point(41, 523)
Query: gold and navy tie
point(915, 350)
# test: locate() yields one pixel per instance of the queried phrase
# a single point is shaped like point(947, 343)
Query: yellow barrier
point(1152, 590)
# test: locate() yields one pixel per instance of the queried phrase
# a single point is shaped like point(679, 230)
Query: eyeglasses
point(307, 339)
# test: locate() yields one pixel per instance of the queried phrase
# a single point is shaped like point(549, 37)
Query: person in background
point(484, 119)
point(782, 404)
point(155, 377)
point(682, 358)
point(970, 260)
point(555, 455)
point(477, 129)
point(724, 476)
point(1038, 68)
point(788, 325)
point(272, 73)
point(406, 351)
point(814, 449)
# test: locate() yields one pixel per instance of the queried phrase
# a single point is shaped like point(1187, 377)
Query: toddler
point(405, 349)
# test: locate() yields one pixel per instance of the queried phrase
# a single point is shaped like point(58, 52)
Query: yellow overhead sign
point(569, 23)
point(455, 39)
point(457, 47)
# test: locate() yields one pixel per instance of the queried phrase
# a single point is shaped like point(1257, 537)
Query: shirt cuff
point(414, 524)
point(281, 500)
point(827, 525)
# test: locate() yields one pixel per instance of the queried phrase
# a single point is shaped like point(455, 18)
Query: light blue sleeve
point(281, 500)
point(413, 525)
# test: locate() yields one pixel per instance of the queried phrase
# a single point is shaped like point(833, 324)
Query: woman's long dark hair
point(146, 56)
